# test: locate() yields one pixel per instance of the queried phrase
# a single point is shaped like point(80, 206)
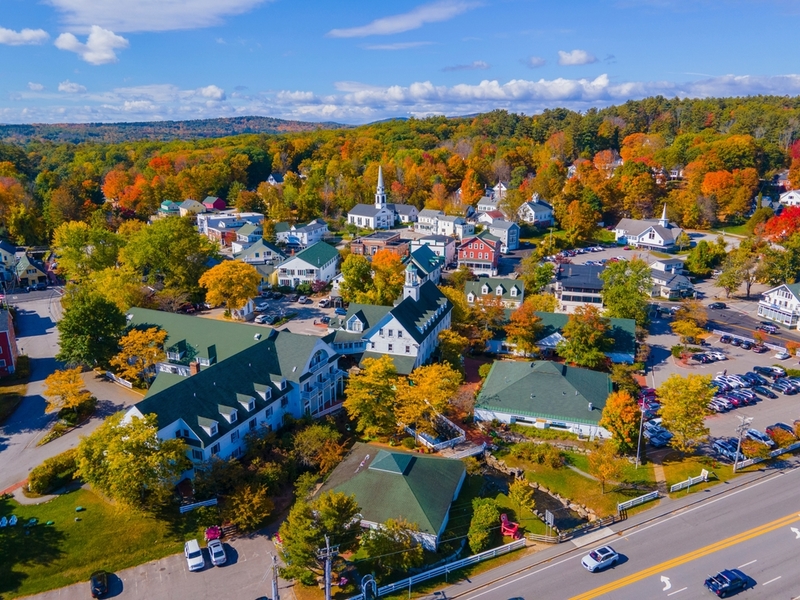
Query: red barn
point(480, 253)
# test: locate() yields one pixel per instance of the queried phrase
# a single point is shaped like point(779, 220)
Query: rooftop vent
point(591, 408)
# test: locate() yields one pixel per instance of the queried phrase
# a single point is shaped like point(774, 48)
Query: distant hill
point(154, 130)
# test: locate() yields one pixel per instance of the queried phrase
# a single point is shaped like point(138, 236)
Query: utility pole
point(275, 594)
point(326, 555)
point(741, 429)
point(639, 440)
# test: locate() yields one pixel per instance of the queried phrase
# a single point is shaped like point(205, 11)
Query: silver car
point(602, 557)
point(194, 555)
point(217, 552)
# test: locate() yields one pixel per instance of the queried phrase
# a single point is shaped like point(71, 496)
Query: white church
point(381, 215)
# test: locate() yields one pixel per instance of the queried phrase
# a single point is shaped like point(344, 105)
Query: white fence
point(636, 501)
point(747, 339)
point(187, 507)
point(690, 482)
point(119, 380)
point(451, 443)
point(406, 584)
point(773, 454)
point(469, 452)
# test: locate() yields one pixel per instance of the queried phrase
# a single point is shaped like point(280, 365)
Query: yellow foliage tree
point(231, 282)
point(140, 350)
point(64, 389)
point(425, 395)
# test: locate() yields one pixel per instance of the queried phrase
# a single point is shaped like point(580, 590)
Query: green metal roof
point(505, 283)
point(248, 229)
point(402, 364)
point(623, 331)
point(318, 254)
point(545, 389)
point(389, 485)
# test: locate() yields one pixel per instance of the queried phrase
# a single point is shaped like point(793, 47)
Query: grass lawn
point(12, 390)
point(677, 469)
point(579, 488)
point(53, 556)
point(734, 229)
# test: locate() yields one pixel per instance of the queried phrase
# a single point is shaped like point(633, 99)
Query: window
point(408, 349)
point(399, 333)
point(215, 449)
point(513, 292)
point(380, 332)
point(252, 424)
point(234, 436)
point(233, 417)
point(197, 455)
point(391, 333)
point(268, 413)
point(372, 345)
point(214, 429)
point(472, 255)
point(390, 347)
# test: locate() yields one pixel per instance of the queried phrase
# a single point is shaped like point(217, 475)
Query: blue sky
point(354, 61)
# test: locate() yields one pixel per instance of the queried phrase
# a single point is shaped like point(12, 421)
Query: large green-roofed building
point(390, 485)
point(545, 394)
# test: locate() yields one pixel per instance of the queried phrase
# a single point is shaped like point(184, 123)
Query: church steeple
point(663, 221)
point(380, 191)
point(411, 288)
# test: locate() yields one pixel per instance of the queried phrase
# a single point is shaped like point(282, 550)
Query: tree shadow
point(32, 324)
point(22, 546)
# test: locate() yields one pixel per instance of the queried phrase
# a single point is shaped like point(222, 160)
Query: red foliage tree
point(784, 225)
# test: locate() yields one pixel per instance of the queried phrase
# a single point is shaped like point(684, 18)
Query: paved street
point(669, 551)
point(38, 338)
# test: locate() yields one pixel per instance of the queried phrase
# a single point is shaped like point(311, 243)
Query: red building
point(480, 254)
point(8, 345)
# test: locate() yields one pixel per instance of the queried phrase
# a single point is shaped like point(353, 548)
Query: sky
point(354, 61)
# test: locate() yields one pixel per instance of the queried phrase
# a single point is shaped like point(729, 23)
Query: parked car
point(98, 583)
point(736, 341)
point(759, 436)
point(725, 339)
point(277, 295)
point(768, 328)
point(603, 557)
point(747, 345)
point(718, 355)
point(770, 371)
point(724, 448)
point(770, 431)
point(263, 319)
point(194, 555)
point(217, 552)
point(340, 311)
point(266, 294)
point(262, 307)
point(760, 389)
point(324, 319)
point(759, 348)
point(727, 582)
point(717, 305)
point(324, 303)
point(293, 297)
point(781, 355)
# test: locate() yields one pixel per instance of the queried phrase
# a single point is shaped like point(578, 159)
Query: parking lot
point(308, 319)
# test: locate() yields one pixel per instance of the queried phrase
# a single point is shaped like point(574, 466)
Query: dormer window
point(485, 289)
point(513, 292)
point(228, 412)
point(499, 291)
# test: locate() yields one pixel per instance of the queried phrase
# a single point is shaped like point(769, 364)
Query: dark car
point(747, 345)
point(727, 582)
point(760, 389)
point(725, 339)
point(717, 305)
point(340, 311)
point(277, 295)
point(99, 584)
point(780, 426)
point(759, 348)
point(767, 371)
point(736, 342)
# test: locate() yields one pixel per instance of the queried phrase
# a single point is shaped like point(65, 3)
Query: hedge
point(53, 473)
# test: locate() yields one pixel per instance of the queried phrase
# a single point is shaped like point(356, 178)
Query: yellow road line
point(711, 548)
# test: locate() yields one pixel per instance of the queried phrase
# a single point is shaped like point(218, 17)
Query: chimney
point(194, 368)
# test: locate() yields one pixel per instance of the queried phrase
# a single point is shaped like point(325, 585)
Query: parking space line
point(677, 591)
point(746, 564)
point(771, 580)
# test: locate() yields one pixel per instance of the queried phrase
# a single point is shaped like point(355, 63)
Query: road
point(37, 337)
point(755, 527)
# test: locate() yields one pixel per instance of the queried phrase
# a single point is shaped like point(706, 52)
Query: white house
point(488, 204)
point(669, 265)
point(260, 253)
point(790, 198)
point(381, 215)
point(229, 219)
point(247, 235)
point(507, 232)
point(319, 262)
point(781, 304)
point(487, 218)
point(442, 245)
point(670, 285)
point(428, 263)
point(428, 221)
point(655, 234)
point(438, 223)
point(213, 408)
point(408, 332)
point(536, 212)
point(577, 285)
point(511, 292)
point(303, 235)
point(190, 207)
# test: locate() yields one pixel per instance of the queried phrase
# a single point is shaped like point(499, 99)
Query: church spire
point(663, 221)
point(380, 191)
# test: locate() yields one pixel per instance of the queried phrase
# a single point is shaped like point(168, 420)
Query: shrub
point(409, 443)
point(485, 518)
point(53, 473)
point(677, 351)
point(483, 370)
point(542, 454)
point(472, 465)
point(782, 438)
point(754, 449)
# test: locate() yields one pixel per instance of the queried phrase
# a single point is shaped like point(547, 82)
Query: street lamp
point(740, 429)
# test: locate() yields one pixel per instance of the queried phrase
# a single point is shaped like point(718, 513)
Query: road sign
point(548, 518)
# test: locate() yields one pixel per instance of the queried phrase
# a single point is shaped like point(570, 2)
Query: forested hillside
point(722, 152)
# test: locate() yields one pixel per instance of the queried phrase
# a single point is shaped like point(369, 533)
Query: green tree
point(370, 397)
point(425, 395)
point(485, 519)
point(393, 546)
point(460, 277)
point(626, 290)
point(452, 348)
point(82, 249)
point(129, 463)
point(705, 257)
point(521, 494)
point(683, 241)
point(249, 507)
point(586, 338)
point(535, 275)
point(357, 277)
point(621, 416)
point(140, 351)
point(90, 330)
point(743, 266)
point(311, 442)
point(684, 406)
point(605, 465)
point(232, 283)
point(622, 376)
point(524, 329)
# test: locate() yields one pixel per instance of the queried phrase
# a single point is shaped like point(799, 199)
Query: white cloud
point(575, 57)
point(397, 46)
point(99, 47)
point(212, 92)
point(477, 65)
point(534, 62)
point(35, 87)
point(24, 37)
point(444, 10)
point(149, 15)
point(70, 87)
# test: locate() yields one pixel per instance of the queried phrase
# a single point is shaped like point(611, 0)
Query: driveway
point(245, 576)
point(38, 338)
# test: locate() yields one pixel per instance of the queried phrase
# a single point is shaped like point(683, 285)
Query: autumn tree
point(580, 222)
point(521, 494)
point(621, 416)
point(370, 397)
point(488, 316)
point(605, 465)
point(626, 289)
point(387, 279)
point(64, 389)
point(128, 462)
point(249, 506)
point(542, 302)
point(317, 446)
point(784, 225)
point(690, 320)
point(684, 406)
point(90, 330)
point(452, 348)
point(586, 337)
point(524, 329)
point(140, 351)
point(393, 546)
point(535, 275)
point(231, 282)
point(357, 277)
point(425, 395)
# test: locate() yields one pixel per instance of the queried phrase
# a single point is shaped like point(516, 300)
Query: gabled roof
point(388, 485)
point(260, 246)
point(317, 254)
point(545, 389)
point(404, 209)
point(364, 210)
point(368, 314)
point(502, 224)
point(403, 364)
point(483, 236)
point(506, 284)
point(248, 229)
point(794, 288)
point(425, 259)
point(282, 227)
point(311, 226)
point(430, 212)
point(414, 314)
point(189, 204)
point(670, 280)
point(537, 207)
point(26, 262)
point(8, 247)
point(636, 227)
